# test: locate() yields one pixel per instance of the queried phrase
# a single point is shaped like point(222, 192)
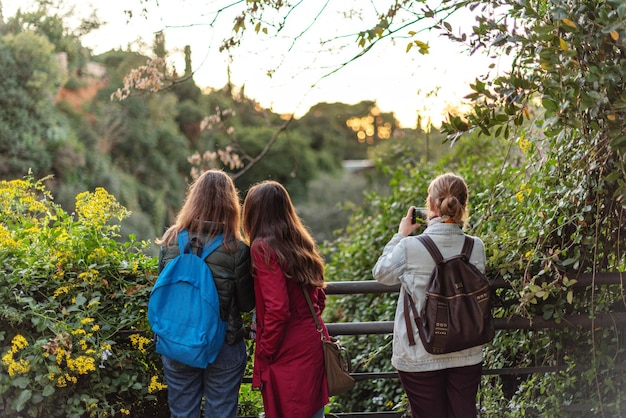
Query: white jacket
point(405, 260)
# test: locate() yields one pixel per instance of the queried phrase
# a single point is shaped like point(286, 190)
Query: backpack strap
point(431, 247)
point(408, 300)
point(212, 245)
point(184, 245)
point(409, 304)
point(468, 246)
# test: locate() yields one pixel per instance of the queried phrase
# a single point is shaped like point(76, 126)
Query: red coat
point(288, 358)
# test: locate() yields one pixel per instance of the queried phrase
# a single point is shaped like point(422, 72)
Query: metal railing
point(584, 321)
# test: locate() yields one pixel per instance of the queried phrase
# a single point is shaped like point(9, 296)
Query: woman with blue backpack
point(211, 210)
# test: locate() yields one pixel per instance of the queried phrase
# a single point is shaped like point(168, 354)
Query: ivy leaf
point(618, 141)
point(21, 400)
point(21, 382)
point(48, 390)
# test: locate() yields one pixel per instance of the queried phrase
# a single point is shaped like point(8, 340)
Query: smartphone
point(418, 215)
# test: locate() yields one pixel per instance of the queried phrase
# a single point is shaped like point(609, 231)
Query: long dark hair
point(212, 198)
point(270, 217)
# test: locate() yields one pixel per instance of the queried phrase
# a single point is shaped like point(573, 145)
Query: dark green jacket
point(233, 280)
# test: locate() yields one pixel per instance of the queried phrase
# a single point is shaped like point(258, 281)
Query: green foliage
point(565, 214)
point(74, 83)
point(409, 147)
point(73, 329)
point(534, 240)
point(290, 160)
point(329, 200)
point(348, 130)
point(50, 21)
point(28, 125)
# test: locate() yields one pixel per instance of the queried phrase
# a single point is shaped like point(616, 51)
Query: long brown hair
point(212, 197)
point(269, 216)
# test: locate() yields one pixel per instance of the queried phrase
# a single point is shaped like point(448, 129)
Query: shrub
point(73, 332)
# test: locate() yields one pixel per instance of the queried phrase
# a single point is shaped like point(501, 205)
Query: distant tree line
point(59, 120)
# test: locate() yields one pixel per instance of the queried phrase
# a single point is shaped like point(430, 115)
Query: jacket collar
point(437, 226)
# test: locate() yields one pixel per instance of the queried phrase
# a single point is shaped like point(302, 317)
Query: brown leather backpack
point(457, 309)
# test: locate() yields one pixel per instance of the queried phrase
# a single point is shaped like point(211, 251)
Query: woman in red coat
point(288, 358)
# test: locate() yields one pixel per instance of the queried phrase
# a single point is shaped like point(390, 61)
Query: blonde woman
point(437, 385)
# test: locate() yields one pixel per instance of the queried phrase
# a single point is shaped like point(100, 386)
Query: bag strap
point(212, 245)
point(431, 247)
point(184, 244)
point(468, 246)
point(317, 321)
point(408, 303)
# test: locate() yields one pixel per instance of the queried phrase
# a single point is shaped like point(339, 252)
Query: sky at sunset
point(299, 60)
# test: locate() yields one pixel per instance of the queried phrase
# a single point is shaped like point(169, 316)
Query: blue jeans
point(218, 383)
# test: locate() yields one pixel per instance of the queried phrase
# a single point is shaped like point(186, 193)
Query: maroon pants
point(447, 393)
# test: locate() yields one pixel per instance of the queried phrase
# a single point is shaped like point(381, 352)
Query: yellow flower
point(60, 353)
point(19, 342)
point(524, 144)
point(63, 237)
point(61, 290)
point(124, 411)
point(19, 367)
point(59, 273)
point(99, 208)
point(139, 342)
point(7, 359)
point(89, 276)
point(98, 254)
point(6, 238)
point(523, 191)
point(84, 364)
point(155, 385)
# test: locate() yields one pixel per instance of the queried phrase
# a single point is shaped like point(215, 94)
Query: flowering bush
point(74, 339)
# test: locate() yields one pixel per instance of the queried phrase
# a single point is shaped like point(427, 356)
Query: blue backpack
point(184, 308)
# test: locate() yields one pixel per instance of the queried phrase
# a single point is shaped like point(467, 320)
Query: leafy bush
point(73, 329)
point(534, 213)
